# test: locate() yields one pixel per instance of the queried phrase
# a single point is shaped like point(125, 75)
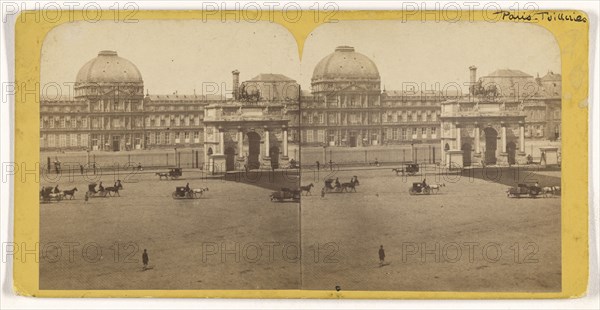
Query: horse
point(162, 175)
point(114, 189)
point(551, 190)
point(351, 185)
point(436, 186)
point(306, 189)
point(199, 191)
point(70, 193)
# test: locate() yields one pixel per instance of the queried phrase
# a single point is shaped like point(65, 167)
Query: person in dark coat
point(318, 165)
point(81, 169)
point(145, 259)
point(381, 256)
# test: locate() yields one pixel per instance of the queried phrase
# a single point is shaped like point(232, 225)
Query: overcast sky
point(181, 55)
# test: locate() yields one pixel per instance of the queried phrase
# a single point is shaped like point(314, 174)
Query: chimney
point(236, 83)
point(473, 79)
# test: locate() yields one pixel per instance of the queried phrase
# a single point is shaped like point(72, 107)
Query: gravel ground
point(463, 227)
point(184, 238)
point(467, 237)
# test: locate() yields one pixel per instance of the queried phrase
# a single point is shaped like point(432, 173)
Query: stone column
point(285, 142)
point(221, 141)
point(267, 146)
point(240, 143)
point(521, 137)
point(477, 146)
point(503, 137)
point(458, 141)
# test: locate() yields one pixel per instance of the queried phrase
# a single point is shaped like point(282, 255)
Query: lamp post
point(176, 161)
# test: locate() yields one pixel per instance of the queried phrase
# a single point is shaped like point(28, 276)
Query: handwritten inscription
point(540, 16)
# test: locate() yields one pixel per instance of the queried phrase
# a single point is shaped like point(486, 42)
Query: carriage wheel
point(174, 195)
point(411, 191)
point(426, 191)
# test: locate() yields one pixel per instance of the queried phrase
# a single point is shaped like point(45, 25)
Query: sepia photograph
point(386, 156)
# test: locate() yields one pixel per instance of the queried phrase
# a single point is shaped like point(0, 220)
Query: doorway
point(491, 143)
point(116, 143)
point(467, 149)
point(253, 150)
point(511, 149)
point(352, 139)
point(229, 159)
point(274, 155)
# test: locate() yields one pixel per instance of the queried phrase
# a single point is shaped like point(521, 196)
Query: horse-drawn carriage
point(286, 194)
point(409, 169)
point(48, 194)
point(419, 188)
point(184, 192)
point(524, 190)
point(93, 193)
point(334, 185)
point(173, 173)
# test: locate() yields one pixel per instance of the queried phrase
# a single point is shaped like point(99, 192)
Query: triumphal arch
point(482, 131)
point(250, 131)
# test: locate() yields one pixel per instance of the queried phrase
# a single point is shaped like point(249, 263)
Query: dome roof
point(346, 64)
point(108, 67)
point(506, 73)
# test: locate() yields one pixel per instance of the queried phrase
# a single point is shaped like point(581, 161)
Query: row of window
point(353, 118)
point(63, 140)
point(163, 138)
point(398, 134)
point(63, 122)
point(191, 107)
point(173, 121)
point(110, 105)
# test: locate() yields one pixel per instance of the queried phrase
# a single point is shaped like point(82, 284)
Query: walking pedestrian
point(323, 192)
point(81, 169)
point(381, 256)
point(330, 165)
point(318, 165)
point(145, 259)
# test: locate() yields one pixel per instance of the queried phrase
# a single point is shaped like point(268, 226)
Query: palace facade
point(346, 106)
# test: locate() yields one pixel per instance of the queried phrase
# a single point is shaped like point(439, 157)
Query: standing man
point(318, 165)
point(81, 169)
point(145, 259)
point(381, 256)
point(543, 159)
point(330, 165)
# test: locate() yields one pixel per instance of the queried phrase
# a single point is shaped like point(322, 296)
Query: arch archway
point(253, 150)
point(467, 149)
point(229, 159)
point(491, 144)
point(274, 155)
point(511, 149)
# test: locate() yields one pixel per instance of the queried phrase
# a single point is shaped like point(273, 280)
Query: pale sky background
point(181, 55)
